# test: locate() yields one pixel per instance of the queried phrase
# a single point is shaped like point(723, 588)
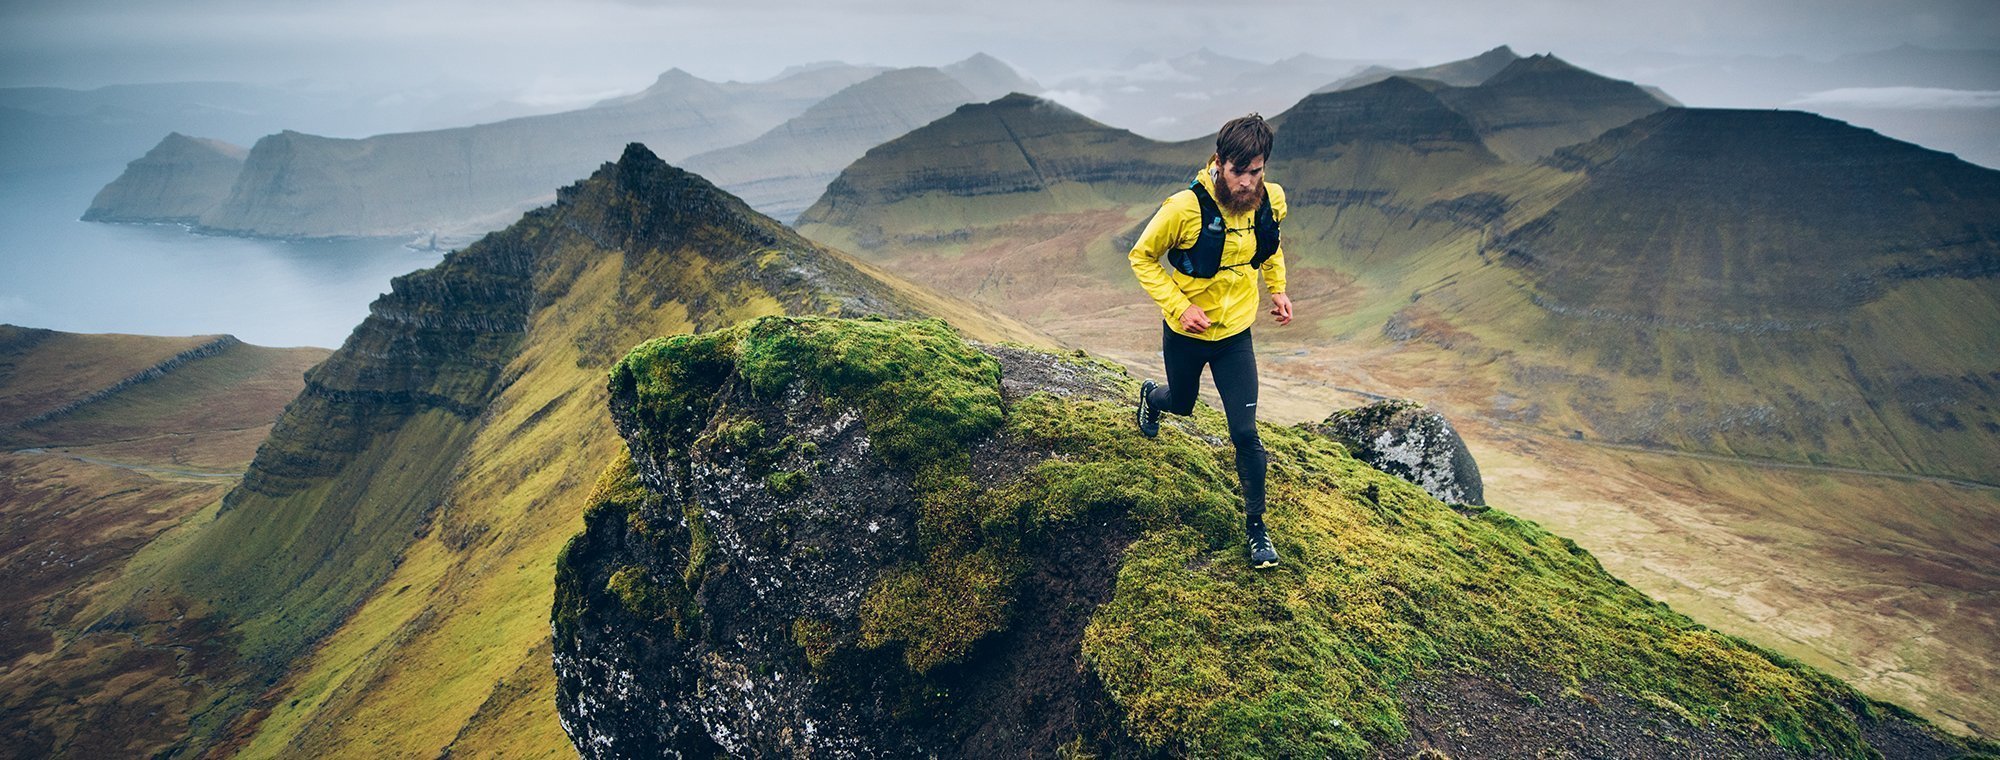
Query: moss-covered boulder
point(867, 538)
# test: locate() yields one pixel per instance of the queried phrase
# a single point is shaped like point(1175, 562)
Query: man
point(1218, 235)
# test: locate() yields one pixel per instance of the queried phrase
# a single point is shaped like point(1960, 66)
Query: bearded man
point(1218, 236)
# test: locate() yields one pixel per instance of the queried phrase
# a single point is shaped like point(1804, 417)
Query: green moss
point(816, 638)
point(671, 383)
point(618, 487)
point(787, 484)
point(740, 435)
point(938, 608)
point(637, 592)
point(922, 392)
point(570, 596)
point(1383, 583)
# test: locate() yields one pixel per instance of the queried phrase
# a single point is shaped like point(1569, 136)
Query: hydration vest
point(1204, 258)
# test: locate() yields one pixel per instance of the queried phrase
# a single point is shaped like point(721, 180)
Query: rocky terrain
point(852, 539)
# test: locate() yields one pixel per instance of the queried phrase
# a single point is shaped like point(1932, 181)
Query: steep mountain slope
point(783, 171)
point(467, 180)
point(870, 538)
point(434, 462)
point(1781, 285)
point(107, 442)
point(176, 181)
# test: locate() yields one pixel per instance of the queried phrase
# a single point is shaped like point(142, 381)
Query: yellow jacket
point(1230, 298)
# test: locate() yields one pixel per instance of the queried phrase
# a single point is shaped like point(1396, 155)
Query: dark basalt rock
point(741, 636)
point(1402, 438)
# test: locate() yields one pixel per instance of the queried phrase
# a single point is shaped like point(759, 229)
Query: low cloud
point(1078, 101)
point(1904, 98)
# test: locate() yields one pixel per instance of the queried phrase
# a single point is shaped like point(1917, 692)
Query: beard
point(1238, 203)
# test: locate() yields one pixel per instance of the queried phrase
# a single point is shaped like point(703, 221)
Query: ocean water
point(60, 273)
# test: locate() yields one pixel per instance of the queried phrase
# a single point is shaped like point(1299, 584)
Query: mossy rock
point(981, 565)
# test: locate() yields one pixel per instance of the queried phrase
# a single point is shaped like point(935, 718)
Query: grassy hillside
point(388, 554)
point(108, 443)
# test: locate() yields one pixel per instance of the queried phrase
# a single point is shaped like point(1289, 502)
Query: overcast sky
point(557, 49)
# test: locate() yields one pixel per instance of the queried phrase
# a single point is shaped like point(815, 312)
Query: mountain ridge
point(445, 431)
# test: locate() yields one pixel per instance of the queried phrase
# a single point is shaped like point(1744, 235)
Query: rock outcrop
point(177, 181)
point(1404, 439)
point(858, 539)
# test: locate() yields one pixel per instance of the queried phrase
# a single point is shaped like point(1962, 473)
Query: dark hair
point(1242, 140)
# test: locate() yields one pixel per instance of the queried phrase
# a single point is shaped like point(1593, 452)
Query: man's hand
point(1194, 320)
point(1281, 307)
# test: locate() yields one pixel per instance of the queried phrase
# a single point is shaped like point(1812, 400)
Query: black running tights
point(1233, 363)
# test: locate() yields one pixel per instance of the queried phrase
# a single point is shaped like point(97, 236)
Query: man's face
point(1241, 186)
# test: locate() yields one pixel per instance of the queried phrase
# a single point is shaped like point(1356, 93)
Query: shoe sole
point(1264, 565)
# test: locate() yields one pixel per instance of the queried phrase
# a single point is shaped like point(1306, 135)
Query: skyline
point(599, 48)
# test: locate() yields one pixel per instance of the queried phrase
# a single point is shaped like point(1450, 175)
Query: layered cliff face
point(177, 181)
point(783, 171)
point(1780, 284)
point(430, 463)
point(468, 180)
point(853, 539)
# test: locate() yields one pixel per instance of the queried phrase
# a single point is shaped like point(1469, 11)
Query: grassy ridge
point(1383, 586)
point(398, 677)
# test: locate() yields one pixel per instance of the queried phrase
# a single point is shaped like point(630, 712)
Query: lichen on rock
point(1404, 439)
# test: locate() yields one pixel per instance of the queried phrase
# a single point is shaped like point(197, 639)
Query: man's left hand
point(1281, 307)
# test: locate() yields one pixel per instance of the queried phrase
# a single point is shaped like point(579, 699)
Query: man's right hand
point(1194, 320)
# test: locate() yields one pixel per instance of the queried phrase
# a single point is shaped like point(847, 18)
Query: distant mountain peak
point(988, 77)
point(1463, 73)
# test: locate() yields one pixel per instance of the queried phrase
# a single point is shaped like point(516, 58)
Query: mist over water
point(60, 273)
